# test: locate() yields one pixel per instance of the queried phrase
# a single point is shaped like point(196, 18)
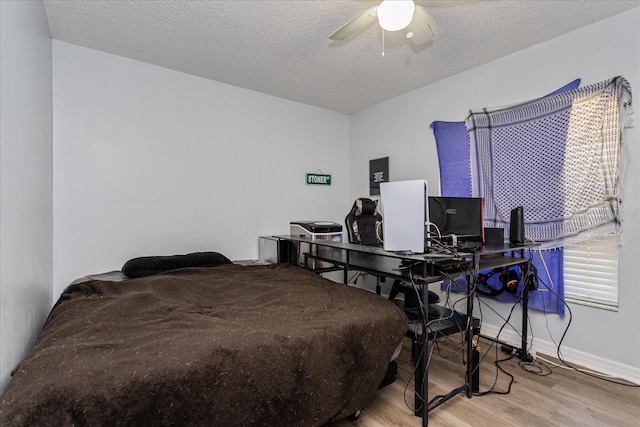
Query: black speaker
point(493, 236)
point(516, 226)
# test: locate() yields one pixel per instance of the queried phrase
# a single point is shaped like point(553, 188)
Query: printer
point(315, 230)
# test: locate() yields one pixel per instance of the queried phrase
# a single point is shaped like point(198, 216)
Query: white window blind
point(591, 272)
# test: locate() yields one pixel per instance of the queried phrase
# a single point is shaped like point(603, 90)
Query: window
point(591, 272)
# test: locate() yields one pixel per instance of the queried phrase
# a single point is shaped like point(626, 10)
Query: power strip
point(512, 351)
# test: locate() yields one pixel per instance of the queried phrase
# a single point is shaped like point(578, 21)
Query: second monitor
point(456, 218)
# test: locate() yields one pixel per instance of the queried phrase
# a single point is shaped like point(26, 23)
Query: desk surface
point(494, 249)
point(426, 257)
point(375, 259)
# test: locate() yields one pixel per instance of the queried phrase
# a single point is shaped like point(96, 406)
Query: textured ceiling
point(282, 48)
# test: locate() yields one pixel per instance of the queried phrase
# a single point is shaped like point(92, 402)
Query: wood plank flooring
point(561, 398)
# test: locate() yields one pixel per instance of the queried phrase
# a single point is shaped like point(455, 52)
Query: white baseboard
point(572, 356)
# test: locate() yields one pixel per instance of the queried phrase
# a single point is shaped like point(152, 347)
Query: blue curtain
point(452, 143)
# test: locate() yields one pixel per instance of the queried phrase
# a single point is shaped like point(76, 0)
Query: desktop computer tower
point(405, 212)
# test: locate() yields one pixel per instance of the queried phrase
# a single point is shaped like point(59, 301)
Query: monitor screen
point(405, 211)
point(459, 216)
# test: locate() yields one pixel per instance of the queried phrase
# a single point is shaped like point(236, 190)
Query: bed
point(229, 345)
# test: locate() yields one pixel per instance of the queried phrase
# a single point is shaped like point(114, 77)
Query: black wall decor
point(378, 172)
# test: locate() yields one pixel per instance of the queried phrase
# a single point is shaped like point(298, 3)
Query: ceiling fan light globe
point(394, 15)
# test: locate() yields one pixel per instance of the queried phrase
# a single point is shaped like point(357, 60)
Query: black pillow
point(146, 266)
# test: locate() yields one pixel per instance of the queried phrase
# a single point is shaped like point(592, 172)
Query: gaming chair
point(363, 223)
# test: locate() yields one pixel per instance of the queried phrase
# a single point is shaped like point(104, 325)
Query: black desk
point(425, 269)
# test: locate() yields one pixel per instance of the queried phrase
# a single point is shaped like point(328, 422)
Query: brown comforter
point(224, 346)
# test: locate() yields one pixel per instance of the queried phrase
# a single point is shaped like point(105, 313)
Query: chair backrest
point(363, 223)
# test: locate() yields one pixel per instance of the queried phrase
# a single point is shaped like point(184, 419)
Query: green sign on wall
point(318, 179)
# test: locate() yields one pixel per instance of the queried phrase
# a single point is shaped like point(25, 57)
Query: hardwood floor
point(560, 398)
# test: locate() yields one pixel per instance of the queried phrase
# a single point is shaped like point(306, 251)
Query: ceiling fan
point(392, 15)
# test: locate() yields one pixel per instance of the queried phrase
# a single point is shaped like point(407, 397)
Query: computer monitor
point(405, 212)
point(461, 217)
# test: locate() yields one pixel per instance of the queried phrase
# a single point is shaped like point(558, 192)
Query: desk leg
point(472, 369)
point(422, 368)
point(419, 377)
point(475, 366)
point(525, 332)
point(524, 355)
point(346, 270)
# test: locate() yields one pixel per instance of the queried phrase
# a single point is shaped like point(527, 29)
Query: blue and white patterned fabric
point(453, 146)
point(557, 156)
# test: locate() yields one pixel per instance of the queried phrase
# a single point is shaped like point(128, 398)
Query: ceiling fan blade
point(364, 19)
point(420, 27)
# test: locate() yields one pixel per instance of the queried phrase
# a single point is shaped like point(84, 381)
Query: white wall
point(399, 128)
point(25, 179)
point(150, 161)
